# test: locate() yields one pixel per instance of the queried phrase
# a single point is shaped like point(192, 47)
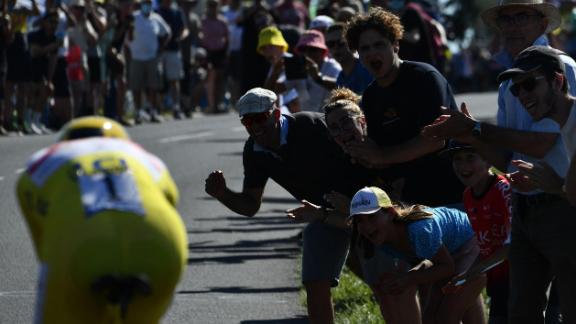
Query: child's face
point(470, 168)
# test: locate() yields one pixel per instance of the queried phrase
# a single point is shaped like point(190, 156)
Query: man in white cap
point(521, 24)
point(297, 152)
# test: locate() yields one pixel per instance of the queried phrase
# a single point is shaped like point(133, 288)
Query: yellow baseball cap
point(369, 200)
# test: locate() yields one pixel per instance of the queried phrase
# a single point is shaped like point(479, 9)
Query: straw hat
point(549, 11)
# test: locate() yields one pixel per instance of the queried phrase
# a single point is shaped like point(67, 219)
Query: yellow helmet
point(92, 126)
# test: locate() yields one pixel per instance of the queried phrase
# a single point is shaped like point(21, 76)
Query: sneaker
point(155, 117)
point(126, 122)
point(45, 130)
point(3, 131)
point(35, 129)
point(177, 114)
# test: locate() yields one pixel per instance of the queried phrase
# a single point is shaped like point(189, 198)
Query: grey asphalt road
point(241, 270)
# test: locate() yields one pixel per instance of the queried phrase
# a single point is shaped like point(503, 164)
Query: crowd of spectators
point(139, 60)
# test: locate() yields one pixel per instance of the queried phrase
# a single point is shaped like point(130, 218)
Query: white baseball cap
point(256, 100)
point(369, 200)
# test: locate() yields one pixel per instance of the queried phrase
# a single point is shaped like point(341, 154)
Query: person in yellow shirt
point(101, 212)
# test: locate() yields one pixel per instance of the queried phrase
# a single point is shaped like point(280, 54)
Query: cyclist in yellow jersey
point(101, 211)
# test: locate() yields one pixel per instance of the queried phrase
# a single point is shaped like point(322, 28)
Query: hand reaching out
point(306, 213)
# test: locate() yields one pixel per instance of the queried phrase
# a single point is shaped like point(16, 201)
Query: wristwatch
point(477, 129)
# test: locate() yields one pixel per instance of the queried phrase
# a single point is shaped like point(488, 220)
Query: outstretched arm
point(246, 203)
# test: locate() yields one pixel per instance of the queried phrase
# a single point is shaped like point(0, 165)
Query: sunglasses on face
point(520, 19)
point(251, 119)
point(335, 43)
point(527, 85)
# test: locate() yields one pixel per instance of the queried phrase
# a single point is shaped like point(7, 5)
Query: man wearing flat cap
point(522, 135)
point(298, 153)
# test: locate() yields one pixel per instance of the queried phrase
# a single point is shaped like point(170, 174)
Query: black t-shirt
point(40, 64)
point(396, 114)
point(308, 166)
point(175, 19)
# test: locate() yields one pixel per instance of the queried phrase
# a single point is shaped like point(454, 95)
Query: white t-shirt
point(317, 93)
point(144, 46)
point(568, 132)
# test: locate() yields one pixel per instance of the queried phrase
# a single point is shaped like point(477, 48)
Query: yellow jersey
point(99, 206)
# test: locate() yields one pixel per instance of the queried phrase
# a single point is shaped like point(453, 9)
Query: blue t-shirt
point(357, 81)
point(449, 227)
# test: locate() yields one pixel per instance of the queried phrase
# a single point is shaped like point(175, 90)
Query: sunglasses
point(336, 43)
point(259, 118)
point(520, 19)
point(527, 85)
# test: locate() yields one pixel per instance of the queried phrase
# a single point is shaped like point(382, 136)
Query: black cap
point(532, 59)
point(453, 148)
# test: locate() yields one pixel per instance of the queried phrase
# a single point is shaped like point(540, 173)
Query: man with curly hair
point(405, 97)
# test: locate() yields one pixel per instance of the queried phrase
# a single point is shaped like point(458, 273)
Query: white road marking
point(18, 171)
point(17, 293)
point(179, 138)
point(238, 129)
point(1, 178)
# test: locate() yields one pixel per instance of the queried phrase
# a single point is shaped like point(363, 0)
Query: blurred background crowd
point(143, 61)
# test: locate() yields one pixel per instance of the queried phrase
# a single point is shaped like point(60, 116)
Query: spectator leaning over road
point(404, 97)
point(354, 75)
point(289, 150)
point(547, 97)
point(319, 66)
point(102, 215)
point(414, 233)
point(347, 125)
point(538, 250)
point(215, 40)
point(172, 56)
point(487, 201)
point(147, 37)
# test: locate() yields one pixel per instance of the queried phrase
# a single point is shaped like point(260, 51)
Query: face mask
point(145, 8)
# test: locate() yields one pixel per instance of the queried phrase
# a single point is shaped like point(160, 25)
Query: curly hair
point(384, 22)
point(343, 98)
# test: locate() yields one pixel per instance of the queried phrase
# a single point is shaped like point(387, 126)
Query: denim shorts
point(325, 248)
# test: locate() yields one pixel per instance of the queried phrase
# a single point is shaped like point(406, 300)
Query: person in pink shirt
point(214, 39)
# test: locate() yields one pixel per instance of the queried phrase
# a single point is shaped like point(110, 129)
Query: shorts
point(325, 249)
point(217, 58)
point(172, 63)
point(381, 264)
point(144, 75)
point(111, 243)
point(94, 69)
point(60, 79)
point(18, 60)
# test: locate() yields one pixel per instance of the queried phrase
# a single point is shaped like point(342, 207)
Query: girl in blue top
point(443, 236)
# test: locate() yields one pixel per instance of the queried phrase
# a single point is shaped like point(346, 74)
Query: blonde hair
point(411, 213)
point(343, 98)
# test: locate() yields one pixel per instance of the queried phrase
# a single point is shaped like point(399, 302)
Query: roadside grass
point(353, 301)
